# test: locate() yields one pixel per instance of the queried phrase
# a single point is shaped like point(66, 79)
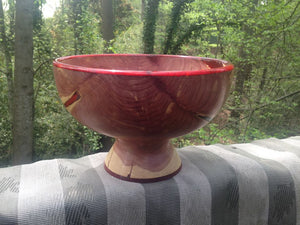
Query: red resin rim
point(60, 64)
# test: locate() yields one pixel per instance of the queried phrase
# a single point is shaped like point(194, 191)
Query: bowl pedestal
point(142, 160)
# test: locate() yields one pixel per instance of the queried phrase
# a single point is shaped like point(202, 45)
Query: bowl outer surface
point(142, 106)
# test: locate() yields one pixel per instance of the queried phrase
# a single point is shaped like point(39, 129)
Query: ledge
point(242, 184)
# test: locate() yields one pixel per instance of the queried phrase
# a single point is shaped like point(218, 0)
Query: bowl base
point(142, 180)
point(135, 161)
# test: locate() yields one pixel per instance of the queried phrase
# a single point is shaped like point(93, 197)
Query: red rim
point(60, 64)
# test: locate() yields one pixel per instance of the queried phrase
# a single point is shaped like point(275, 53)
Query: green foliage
point(129, 41)
point(181, 26)
point(213, 134)
point(151, 11)
point(261, 38)
point(59, 135)
point(75, 34)
point(5, 126)
point(258, 39)
point(125, 16)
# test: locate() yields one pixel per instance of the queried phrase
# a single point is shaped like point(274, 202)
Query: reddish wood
point(73, 99)
point(142, 100)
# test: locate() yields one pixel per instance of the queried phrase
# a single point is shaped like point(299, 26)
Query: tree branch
point(255, 109)
point(277, 100)
point(43, 63)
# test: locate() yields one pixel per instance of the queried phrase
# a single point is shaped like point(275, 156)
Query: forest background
point(261, 38)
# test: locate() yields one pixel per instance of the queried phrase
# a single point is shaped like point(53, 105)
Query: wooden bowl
point(142, 101)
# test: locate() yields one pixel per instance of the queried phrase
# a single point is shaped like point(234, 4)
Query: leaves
point(261, 38)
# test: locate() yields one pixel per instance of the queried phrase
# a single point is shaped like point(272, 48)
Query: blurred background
point(261, 38)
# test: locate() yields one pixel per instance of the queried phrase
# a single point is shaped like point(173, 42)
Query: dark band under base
point(140, 180)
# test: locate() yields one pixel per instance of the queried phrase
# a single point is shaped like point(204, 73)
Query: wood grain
point(142, 100)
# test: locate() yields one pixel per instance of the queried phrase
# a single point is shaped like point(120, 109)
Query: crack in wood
point(75, 97)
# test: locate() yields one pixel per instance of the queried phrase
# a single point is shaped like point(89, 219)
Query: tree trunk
point(143, 3)
point(12, 20)
point(244, 69)
point(23, 84)
point(173, 25)
point(37, 16)
point(243, 74)
point(151, 11)
point(76, 20)
point(107, 23)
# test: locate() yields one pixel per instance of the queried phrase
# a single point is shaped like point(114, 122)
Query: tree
point(259, 37)
point(107, 24)
point(151, 12)
point(23, 84)
point(173, 25)
point(179, 28)
point(78, 9)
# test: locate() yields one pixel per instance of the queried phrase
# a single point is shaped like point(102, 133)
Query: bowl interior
point(142, 64)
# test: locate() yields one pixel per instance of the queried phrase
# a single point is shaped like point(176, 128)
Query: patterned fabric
point(241, 184)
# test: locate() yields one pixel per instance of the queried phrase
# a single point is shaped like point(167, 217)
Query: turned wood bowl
point(142, 101)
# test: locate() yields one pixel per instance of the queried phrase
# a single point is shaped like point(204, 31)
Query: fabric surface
point(241, 184)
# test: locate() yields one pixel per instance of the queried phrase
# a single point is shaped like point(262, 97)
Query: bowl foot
point(146, 160)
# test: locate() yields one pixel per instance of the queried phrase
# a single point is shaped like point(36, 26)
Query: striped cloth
point(241, 184)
